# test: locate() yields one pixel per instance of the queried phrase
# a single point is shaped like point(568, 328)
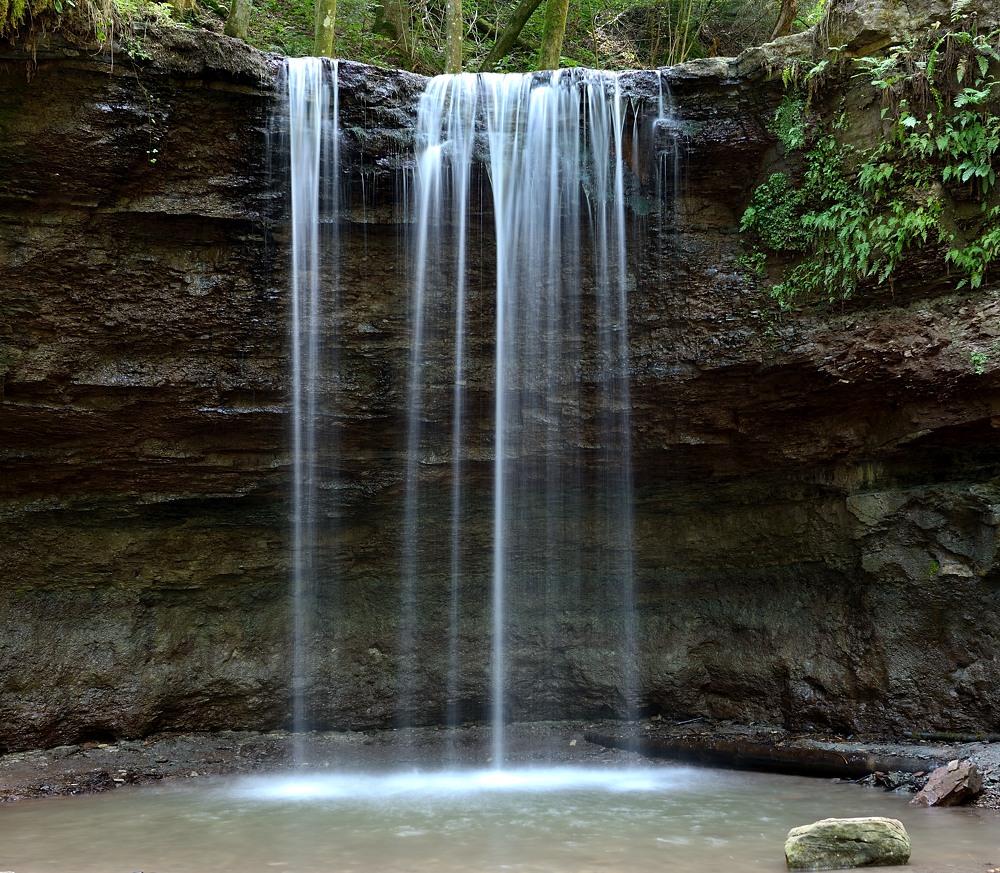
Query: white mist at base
point(373, 787)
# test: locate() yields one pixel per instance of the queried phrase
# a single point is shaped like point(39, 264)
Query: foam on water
point(362, 787)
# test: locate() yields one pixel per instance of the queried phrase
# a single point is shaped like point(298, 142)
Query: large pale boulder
point(862, 27)
point(833, 843)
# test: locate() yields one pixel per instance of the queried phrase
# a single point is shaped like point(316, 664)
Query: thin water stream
point(313, 159)
point(566, 819)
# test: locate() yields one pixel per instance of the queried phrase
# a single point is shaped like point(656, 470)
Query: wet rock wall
point(816, 493)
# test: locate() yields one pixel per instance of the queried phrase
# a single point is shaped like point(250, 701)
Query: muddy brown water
point(556, 820)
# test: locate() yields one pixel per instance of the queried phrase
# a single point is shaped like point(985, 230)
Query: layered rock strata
point(817, 498)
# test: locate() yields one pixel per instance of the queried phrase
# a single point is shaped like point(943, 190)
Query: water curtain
point(522, 178)
point(552, 146)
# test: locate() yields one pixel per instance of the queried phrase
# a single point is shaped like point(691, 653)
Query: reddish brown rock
point(957, 783)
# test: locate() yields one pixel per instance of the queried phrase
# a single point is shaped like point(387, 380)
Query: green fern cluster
point(854, 214)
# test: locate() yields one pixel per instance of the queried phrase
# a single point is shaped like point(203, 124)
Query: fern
point(856, 227)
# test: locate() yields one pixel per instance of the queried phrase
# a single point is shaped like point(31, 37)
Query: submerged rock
point(956, 783)
point(871, 841)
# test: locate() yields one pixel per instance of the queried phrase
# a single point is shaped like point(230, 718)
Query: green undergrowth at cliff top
point(120, 23)
point(47, 13)
point(854, 213)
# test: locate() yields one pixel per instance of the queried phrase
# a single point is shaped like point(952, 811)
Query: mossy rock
point(836, 843)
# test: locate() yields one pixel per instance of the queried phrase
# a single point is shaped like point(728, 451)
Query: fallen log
point(743, 754)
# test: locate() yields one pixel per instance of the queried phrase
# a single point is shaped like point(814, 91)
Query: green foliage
point(811, 14)
point(671, 30)
point(287, 27)
point(753, 262)
point(775, 215)
point(283, 26)
point(790, 120)
point(854, 233)
point(853, 215)
point(610, 34)
point(978, 360)
point(599, 33)
point(15, 13)
point(968, 142)
point(120, 24)
point(133, 11)
point(974, 259)
point(653, 33)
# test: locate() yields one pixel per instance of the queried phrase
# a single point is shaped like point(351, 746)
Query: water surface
point(556, 820)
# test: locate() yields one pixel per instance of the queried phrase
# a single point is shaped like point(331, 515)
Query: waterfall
point(311, 87)
point(553, 149)
point(668, 143)
point(443, 166)
point(524, 179)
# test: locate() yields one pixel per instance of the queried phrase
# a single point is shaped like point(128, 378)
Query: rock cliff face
point(817, 493)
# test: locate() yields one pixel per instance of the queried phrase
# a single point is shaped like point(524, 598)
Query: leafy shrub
point(855, 213)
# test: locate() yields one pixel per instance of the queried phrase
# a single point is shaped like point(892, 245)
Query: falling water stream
point(552, 150)
point(546, 153)
point(313, 149)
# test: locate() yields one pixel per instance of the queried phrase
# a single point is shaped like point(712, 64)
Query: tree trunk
point(326, 19)
point(394, 22)
point(238, 21)
point(786, 18)
point(488, 29)
point(508, 39)
point(455, 36)
point(553, 33)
